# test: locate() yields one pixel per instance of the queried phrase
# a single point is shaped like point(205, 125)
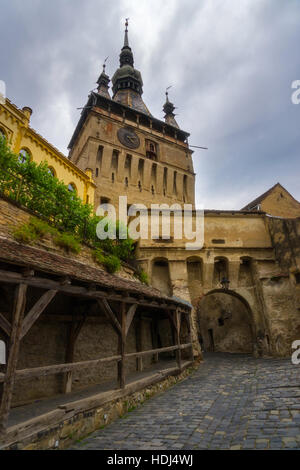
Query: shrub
point(143, 277)
point(41, 227)
point(68, 242)
point(110, 262)
point(25, 234)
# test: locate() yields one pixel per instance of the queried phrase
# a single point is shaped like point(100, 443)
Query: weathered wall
point(280, 203)
point(173, 161)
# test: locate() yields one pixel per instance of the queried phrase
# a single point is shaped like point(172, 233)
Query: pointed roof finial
point(104, 64)
point(126, 42)
point(103, 82)
point(169, 110)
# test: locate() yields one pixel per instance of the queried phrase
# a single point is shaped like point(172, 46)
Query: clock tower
point(129, 151)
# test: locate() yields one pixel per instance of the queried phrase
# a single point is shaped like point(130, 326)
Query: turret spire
point(103, 82)
point(169, 111)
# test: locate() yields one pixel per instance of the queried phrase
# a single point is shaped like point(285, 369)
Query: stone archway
point(225, 322)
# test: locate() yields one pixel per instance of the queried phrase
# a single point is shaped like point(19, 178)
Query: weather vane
point(168, 88)
point(126, 24)
point(104, 64)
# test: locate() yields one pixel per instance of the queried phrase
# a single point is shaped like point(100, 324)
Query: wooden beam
point(37, 310)
point(154, 336)
point(154, 351)
point(18, 313)
point(129, 317)
point(5, 325)
point(121, 348)
point(49, 284)
point(190, 339)
point(138, 343)
point(105, 307)
point(62, 368)
point(75, 329)
point(177, 321)
point(59, 368)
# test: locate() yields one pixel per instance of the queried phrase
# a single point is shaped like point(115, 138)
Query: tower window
point(99, 155)
point(140, 186)
point(151, 149)
point(112, 177)
point(97, 172)
point(115, 159)
point(126, 182)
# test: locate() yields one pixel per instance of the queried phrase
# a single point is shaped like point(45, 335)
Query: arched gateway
point(225, 322)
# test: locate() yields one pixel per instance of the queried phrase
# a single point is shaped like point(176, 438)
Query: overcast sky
point(231, 64)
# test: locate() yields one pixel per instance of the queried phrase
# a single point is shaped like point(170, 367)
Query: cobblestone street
point(230, 402)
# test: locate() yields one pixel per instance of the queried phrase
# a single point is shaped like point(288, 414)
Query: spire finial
point(126, 42)
point(167, 93)
point(104, 64)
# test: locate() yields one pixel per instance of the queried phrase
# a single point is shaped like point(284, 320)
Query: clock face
point(128, 138)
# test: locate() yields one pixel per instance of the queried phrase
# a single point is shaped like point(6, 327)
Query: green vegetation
point(142, 276)
point(111, 262)
point(70, 221)
point(68, 242)
point(25, 234)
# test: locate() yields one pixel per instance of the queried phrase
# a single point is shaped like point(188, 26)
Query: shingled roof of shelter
point(52, 263)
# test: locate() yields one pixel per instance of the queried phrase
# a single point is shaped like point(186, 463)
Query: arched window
point(2, 134)
point(72, 188)
point(2, 352)
point(24, 156)
point(51, 171)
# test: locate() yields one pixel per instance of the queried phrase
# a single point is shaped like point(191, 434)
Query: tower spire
point(126, 56)
point(127, 81)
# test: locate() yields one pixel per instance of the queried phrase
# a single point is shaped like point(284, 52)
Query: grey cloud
point(231, 64)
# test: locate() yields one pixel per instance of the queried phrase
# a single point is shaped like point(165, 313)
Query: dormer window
point(151, 150)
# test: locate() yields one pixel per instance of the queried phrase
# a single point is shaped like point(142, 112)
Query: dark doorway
point(211, 340)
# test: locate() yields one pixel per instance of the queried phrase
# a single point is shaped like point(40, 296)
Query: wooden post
point(190, 339)
point(139, 345)
point(122, 344)
point(75, 329)
point(14, 343)
point(177, 318)
point(154, 334)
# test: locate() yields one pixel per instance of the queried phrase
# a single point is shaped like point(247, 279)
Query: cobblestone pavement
point(230, 402)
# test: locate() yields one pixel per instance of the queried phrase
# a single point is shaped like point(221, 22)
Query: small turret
point(168, 110)
point(103, 82)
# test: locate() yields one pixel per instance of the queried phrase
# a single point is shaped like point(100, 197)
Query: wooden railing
point(62, 368)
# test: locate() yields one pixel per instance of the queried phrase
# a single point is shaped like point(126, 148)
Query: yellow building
point(26, 142)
